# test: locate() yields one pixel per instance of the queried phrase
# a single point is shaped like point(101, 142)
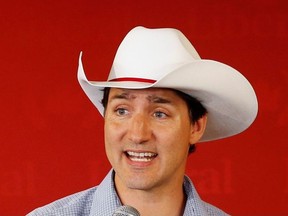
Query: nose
point(139, 130)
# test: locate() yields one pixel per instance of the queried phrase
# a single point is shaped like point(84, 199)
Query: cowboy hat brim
point(226, 94)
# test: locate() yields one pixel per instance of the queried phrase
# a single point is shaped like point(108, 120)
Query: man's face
point(147, 137)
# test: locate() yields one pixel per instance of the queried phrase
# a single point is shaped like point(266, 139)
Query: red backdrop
point(51, 135)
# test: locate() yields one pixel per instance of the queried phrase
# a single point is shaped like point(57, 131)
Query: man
point(160, 99)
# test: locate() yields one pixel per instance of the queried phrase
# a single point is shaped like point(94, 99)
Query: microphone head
point(126, 211)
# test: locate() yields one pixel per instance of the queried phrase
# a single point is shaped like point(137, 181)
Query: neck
point(157, 202)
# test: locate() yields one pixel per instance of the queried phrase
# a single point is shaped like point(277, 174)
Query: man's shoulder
point(76, 204)
point(213, 210)
point(195, 205)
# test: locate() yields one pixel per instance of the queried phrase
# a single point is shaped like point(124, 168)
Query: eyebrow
point(158, 99)
point(121, 96)
point(151, 98)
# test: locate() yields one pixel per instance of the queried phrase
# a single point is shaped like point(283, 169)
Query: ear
point(198, 129)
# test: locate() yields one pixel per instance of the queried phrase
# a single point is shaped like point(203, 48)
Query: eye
point(159, 114)
point(121, 111)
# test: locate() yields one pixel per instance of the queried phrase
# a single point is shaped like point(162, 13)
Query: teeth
point(141, 159)
point(141, 154)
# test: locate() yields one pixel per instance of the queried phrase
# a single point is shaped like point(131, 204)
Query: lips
point(141, 156)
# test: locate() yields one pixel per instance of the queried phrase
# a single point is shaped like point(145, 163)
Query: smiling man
point(160, 99)
point(147, 135)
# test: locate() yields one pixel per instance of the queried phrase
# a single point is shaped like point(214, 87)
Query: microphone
point(126, 210)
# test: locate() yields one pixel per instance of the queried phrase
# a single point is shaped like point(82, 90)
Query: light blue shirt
point(103, 201)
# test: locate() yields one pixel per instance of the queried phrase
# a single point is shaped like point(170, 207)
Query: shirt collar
point(194, 205)
point(106, 200)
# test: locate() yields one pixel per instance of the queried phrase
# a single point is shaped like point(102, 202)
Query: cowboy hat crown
point(151, 54)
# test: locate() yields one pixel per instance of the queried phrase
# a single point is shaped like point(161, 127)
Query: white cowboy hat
point(164, 58)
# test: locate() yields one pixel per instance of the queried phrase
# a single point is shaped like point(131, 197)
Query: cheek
point(112, 130)
point(111, 140)
point(181, 130)
point(175, 139)
point(174, 151)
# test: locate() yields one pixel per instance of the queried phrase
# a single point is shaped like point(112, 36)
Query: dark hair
point(195, 108)
point(196, 111)
point(104, 101)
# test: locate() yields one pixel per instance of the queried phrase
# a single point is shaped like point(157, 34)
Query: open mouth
point(141, 156)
